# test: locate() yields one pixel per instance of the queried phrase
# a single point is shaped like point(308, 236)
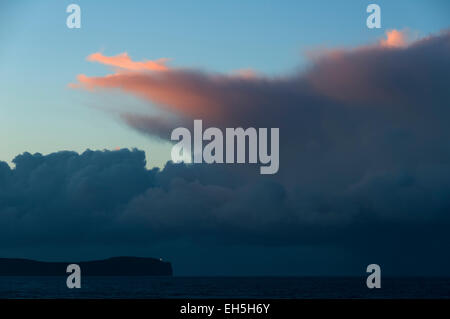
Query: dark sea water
point(223, 287)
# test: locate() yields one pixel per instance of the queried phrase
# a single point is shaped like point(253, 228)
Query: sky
point(363, 117)
point(40, 56)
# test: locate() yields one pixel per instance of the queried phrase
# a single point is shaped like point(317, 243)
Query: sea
point(225, 287)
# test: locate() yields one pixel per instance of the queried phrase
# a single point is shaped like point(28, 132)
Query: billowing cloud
point(109, 199)
point(380, 73)
point(353, 113)
point(109, 196)
point(364, 162)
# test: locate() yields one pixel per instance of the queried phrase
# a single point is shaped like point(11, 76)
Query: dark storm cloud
point(364, 160)
point(109, 197)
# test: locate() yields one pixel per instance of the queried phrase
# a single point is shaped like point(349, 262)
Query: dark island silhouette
point(115, 266)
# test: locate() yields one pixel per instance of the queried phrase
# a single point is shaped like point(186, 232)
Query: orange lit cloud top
point(123, 61)
point(178, 91)
point(191, 93)
point(395, 39)
point(366, 75)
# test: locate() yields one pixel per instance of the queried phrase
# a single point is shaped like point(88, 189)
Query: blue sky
point(40, 56)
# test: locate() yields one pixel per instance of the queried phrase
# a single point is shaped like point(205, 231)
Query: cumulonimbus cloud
point(363, 153)
point(340, 117)
point(362, 75)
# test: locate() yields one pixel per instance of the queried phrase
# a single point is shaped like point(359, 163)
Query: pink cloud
point(358, 75)
point(184, 92)
point(245, 73)
point(123, 61)
point(395, 39)
point(174, 90)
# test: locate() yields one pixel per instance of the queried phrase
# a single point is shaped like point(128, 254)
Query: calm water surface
point(223, 287)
